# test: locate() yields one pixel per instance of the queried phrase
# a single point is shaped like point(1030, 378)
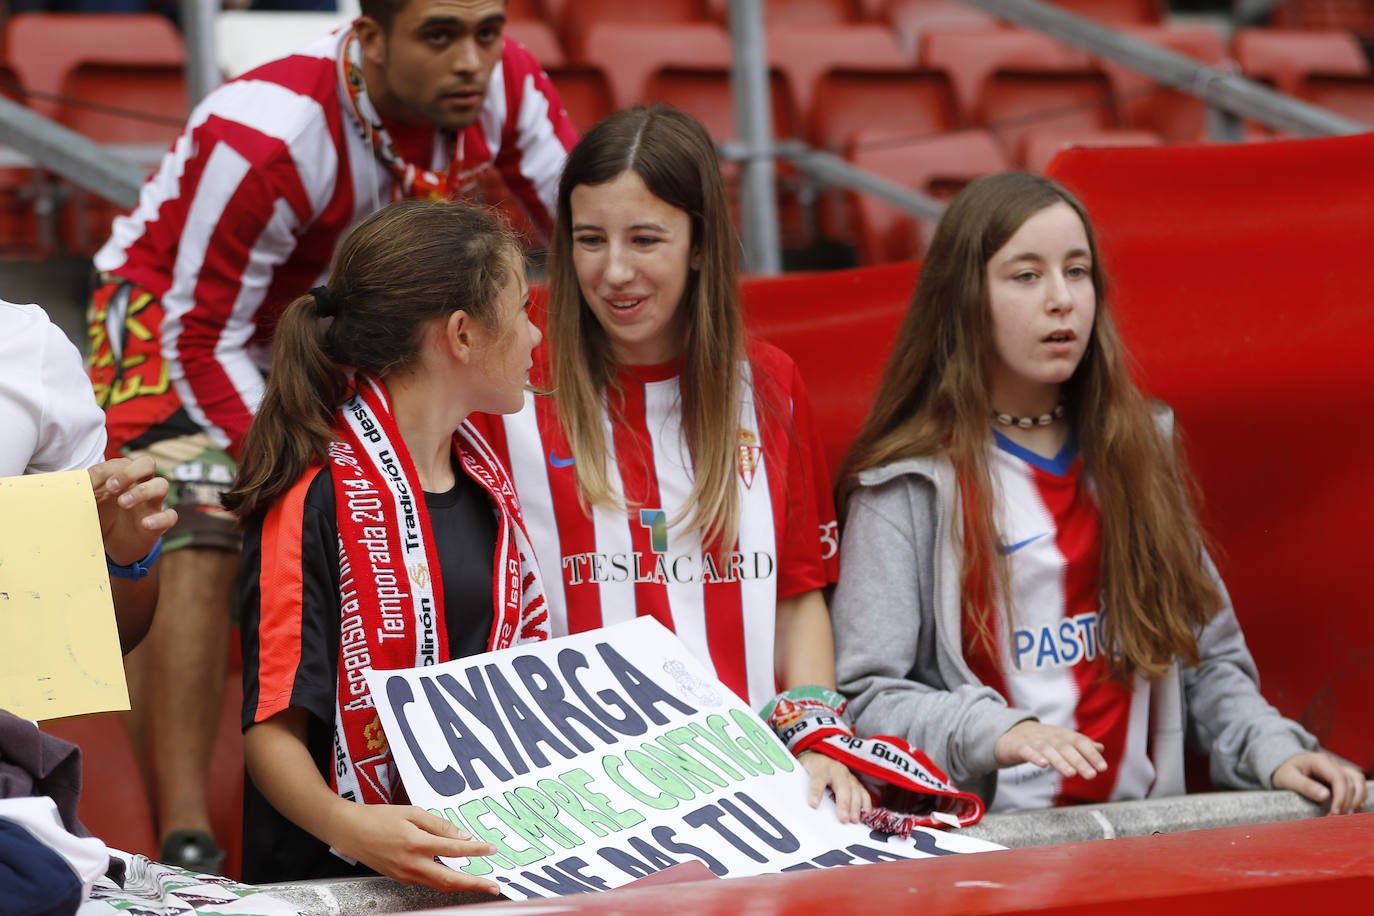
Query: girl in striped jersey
point(674, 473)
point(1024, 590)
point(381, 531)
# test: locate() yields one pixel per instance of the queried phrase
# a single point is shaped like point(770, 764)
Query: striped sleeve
point(289, 604)
point(536, 136)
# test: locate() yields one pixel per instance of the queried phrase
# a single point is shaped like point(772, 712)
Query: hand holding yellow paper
point(59, 644)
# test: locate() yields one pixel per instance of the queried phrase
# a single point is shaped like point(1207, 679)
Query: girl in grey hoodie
point(1024, 587)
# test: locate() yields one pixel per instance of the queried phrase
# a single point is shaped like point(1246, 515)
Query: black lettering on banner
point(645, 692)
point(444, 782)
point(629, 723)
point(477, 701)
point(667, 838)
point(547, 693)
point(711, 816)
point(780, 838)
point(464, 746)
point(527, 726)
point(564, 877)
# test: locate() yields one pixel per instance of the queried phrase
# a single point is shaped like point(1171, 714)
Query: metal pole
point(70, 154)
point(1229, 91)
point(754, 123)
point(202, 63)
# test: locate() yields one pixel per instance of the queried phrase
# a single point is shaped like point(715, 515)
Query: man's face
point(434, 64)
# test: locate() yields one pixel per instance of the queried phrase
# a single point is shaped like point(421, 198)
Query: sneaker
point(193, 850)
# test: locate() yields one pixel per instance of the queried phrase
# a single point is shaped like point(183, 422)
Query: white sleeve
point(71, 426)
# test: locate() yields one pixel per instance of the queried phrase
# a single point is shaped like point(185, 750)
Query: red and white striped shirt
point(615, 565)
point(244, 213)
point(1054, 665)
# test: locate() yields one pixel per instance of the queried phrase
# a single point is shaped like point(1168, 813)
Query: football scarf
point(907, 789)
point(412, 181)
point(391, 615)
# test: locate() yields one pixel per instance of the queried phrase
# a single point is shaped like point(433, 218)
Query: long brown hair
point(676, 159)
point(395, 272)
point(934, 397)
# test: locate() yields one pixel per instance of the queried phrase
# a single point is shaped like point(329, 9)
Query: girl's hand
point(1319, 776)
point(401, 841)
point(851, 798)
point(1069, 752)
point(128, 499)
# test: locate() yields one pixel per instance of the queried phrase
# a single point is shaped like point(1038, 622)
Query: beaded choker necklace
point(1045, 419)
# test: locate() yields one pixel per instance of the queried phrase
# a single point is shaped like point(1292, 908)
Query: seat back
point(938, 166)
point(1144, 105)
point(579, 18)
point(805, 53)
point(631, 53)
point(1288, 58)
point(585, 91)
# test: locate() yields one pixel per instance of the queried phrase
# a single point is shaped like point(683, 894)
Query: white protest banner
point(595, 759)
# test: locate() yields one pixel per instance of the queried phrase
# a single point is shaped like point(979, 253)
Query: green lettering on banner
point(659, 775)
point(528, 829)
point(543, 806)
point(685, 736)
point(740, 750)
point(577, 780)
point(599, 824)
point(611, 764)
point(472, 812)
point(476, 865)
point(763, 739)
point(700, 776)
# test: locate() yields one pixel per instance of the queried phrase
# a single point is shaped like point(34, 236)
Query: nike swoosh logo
point(559, 462)
point(1005, 549)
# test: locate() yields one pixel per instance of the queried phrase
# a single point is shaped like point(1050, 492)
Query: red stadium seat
point(799, 12)
point(1116, 12)
point(1356, 15)
point(1042, 146)
point(118, 79)
point(580, 17)
point(630, 53)
point(938, 166)
point(805, 52)
point(1144, 105)
point(585, 91)
point(539, 38)
point(847, 101)
point(27, 228)
point(1014, 81)
point(1287, 59)
point(911, 19)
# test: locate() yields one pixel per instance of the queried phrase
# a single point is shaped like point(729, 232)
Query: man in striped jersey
point(417, 98)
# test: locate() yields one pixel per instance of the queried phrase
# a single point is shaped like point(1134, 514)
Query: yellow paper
point(59, 644)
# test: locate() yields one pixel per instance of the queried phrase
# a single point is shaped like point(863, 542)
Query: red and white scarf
point(412, 181)
point(391, 611)
point(908, 790)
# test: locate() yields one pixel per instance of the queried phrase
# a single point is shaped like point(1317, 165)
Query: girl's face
point(1041, 300)
point(632, 253)
point(507, 353)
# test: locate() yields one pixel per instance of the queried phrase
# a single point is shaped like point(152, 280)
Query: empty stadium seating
point(120, 80)
point(847, 101)
point(911, 19)
point(631, 53)
point(799, 12)
point(1144, 105)
point(579, 17)
point(936, 165)
point(1116, 12)
point(804, 53)
point(1013, 82)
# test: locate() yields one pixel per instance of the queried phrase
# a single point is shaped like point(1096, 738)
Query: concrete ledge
point(1029, 828)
